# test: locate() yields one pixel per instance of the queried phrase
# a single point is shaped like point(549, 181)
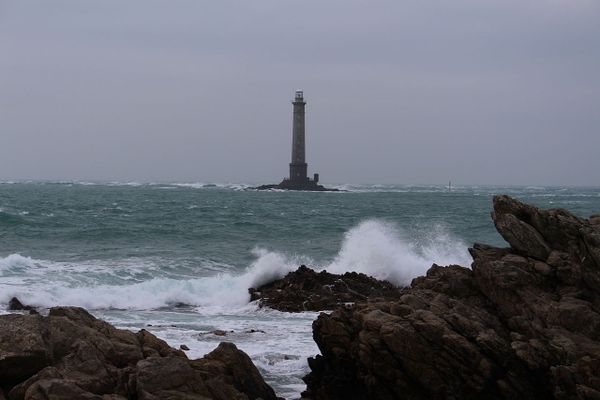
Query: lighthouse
point(298, 179)
point(298, 166)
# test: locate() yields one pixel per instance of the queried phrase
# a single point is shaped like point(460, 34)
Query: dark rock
point(521, 236)
point(184, 347)
point(150, 379)
point(286, 184)
point(24, 347)
point(255, 331)
point(308, 290)
point(226, 364)
point(524, 322)
point(15, 305)
point(57, 389)
point(72, 355)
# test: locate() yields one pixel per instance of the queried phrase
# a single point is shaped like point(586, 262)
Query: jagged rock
point(521, 236)
point(15, 305)
point(233, 367)
point(72, 355)
point(255, 331)
point(524, 322)
point(308, 290)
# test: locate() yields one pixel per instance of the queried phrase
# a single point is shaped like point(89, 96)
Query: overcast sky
point(481, 92)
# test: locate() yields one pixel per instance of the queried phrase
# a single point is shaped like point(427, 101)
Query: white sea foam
point(380, 249)
point(374, 247)
point(39, 284)
point(133, 183)
point(393, 188)
point(15, 261)
point(201, 185)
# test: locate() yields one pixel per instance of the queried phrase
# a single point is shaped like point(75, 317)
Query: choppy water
point(180, 257)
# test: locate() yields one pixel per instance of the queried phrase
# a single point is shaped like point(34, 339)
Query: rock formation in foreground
point(71, 355)
point(307, 290)
point(523, 323)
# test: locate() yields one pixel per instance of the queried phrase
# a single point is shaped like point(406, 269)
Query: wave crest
point(380, 249)
point(373, 247)
point(16, 261)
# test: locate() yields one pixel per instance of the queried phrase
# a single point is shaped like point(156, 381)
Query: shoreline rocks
point(523, 322)
point(72, 355)
point(308, 290)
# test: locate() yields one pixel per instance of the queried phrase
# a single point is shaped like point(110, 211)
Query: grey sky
point(488, 92)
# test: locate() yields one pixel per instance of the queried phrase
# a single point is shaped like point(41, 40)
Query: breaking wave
point(374, 247)
point(380, 249)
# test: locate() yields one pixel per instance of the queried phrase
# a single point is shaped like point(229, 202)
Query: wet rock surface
point(72, 355)
point(522, 323)
point(308, 290)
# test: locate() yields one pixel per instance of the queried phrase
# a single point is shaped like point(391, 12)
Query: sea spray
point(16, 262)
point(380, 249)
point(44, 283)
point(374, 247)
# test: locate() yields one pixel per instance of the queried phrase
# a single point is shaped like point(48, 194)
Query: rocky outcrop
point(308, 290)
point(72, 355)
point(15, 305)
point(522, 323)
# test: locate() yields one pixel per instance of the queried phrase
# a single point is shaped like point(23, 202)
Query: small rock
point(15, 305)
point(184, 347)
point(255, 331)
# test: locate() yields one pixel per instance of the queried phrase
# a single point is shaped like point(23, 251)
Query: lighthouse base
point(305, 185)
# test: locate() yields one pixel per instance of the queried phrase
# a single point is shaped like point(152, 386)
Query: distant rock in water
point(71, 355)
point(523, 323)
point(286, 184)
point(308, 290)
point(15, 305)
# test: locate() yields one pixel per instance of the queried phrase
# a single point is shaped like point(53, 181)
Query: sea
point(177, 259)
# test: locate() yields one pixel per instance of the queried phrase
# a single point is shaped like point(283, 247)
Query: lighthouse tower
point(298, 167)
point(298, 179)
